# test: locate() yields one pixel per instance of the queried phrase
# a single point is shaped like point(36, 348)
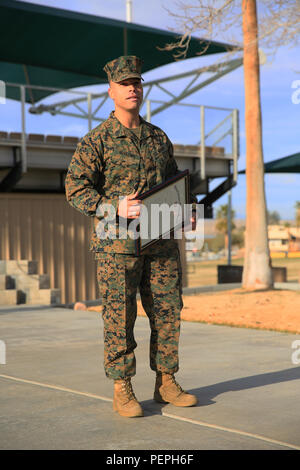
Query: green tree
point(222, 222)
point(238, 238)
point(215, 244)
point(273, 218)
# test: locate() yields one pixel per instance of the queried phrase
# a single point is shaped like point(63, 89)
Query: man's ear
point(110, 91)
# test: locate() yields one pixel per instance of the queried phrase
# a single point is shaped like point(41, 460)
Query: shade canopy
point(58, 48)
point(289, 164)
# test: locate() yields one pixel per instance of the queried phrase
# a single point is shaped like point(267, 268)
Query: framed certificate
point(163, 210)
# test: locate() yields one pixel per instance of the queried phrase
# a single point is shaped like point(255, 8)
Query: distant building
point(294, 241)
point(283, 239)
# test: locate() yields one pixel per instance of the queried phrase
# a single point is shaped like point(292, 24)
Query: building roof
point(58, 48)
point(279, 232)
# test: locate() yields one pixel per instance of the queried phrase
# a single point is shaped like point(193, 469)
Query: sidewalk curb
point(295, 286)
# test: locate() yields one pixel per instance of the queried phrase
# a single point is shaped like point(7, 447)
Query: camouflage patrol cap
point(123, 67)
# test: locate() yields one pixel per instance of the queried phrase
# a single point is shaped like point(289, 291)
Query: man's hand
point(129, 207)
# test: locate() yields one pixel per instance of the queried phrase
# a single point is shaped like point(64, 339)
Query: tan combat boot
point(125, 402)
point(167, 390)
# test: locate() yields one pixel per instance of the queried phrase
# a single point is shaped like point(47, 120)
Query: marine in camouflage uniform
point(109, 163)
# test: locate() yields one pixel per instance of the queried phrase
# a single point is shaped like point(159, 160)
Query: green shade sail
point(289, 164)
point(58, 48)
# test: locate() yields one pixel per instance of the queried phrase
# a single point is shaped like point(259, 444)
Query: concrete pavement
point(54, 394)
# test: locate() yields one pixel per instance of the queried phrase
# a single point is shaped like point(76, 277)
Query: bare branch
point(279, 24)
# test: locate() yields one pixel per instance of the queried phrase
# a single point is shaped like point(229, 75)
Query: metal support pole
point(23, 138)
point(148, 110)
point(2, 92)
point(229, 208)
point(89, 100)
point(235, 142)
point(129, 11)
point(202, 153)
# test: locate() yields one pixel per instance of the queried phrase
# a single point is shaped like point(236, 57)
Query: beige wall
point(45, 228)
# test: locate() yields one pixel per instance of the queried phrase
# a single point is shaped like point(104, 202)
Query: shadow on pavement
point(207, 394)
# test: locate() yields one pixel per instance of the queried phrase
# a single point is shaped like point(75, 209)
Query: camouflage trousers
point(158, 279)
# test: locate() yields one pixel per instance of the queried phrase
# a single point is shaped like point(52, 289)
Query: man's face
point(127, 94)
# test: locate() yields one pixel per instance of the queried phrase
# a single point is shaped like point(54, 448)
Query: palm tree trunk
point(257, 272)
point(226, 242)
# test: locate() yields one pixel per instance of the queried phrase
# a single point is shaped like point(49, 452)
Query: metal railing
point(88, 115)
point(228, 126)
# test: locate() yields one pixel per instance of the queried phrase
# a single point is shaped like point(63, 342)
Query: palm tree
point(279, 25)
point(257, 272)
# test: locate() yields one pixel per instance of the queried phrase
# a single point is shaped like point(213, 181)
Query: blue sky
point(281, 117)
